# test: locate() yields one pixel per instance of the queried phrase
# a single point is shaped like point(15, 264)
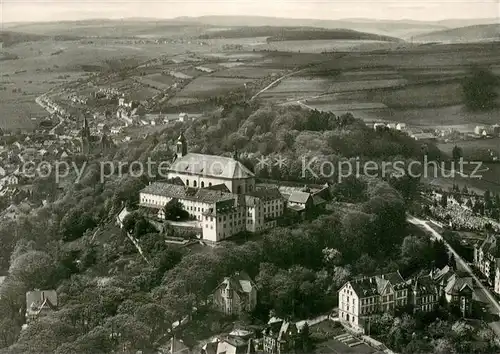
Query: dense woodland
point(110, 297)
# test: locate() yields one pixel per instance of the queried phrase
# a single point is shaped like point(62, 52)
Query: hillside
point(295, 33)
point(463, 34)
point(401, 29)
point(111, 28)
point(195, 25)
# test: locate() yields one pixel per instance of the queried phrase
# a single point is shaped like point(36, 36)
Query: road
point(481, 293)
point(38, 100)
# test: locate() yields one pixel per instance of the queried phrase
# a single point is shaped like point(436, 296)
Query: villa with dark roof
point(279, 337)
point(235, 295)
point(455, 289)
point(39, 302)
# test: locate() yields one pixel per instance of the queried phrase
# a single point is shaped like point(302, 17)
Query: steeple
point(85, 128)
point(181, 146)
point(85, 136)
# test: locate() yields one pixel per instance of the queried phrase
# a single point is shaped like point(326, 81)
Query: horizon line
point(145, 18)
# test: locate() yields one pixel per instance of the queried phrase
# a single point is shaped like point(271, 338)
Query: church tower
point(181, 147)
point(85, 136)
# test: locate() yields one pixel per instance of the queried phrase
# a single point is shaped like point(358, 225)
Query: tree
point(175, 211)
point(33, 268)
point(440, 254)
point(451, 262)
point(444, 200)
point(156, 317)
point(332, 257)
point(340, 276)
point(488, 200)
point(304, 342)
point(457, 153)
point(479, 89)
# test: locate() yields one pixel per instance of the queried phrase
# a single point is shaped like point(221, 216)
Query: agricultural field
point(470, 145)
point(158, 81)
point(489, 180)
point(320, 46)
point(411, 96)
point(298, 84)
point(205, 86)
point(247, 72)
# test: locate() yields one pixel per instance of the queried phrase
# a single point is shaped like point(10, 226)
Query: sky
point(423, 10)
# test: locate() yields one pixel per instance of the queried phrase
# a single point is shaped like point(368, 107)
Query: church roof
point(211, 166)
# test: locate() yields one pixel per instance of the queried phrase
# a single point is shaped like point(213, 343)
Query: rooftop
point(187, 193)
point(211, 166)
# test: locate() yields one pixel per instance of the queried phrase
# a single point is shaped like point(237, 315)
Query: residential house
point(179, 346)
point(359, 299)
point(229, 345)
point(459, 290)
point(116, 130)
point(379, 126)
point(401, 126)
point(497, 276)
point(485, 257)
point(236, 294)
point(425, 294)
point(302, 200)
point(39, 302)
point(441, 277)
point(480, 130)
point(279, 337)
point(121, 216)
point(455, 289)
point(183, 117)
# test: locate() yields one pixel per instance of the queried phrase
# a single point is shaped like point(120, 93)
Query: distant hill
point(193, 26)
point(475, 33)
point(275, 34)
point(111, 28)
point(401, 29)
point(10, 38)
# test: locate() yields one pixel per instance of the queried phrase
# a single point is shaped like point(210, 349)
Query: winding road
point(481, 293)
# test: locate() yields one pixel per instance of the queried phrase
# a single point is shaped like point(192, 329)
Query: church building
point(92, 144)
point(218, 193)
point(202, 171)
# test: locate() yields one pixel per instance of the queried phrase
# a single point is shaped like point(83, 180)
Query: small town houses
point(487, 261)
point(361, 298)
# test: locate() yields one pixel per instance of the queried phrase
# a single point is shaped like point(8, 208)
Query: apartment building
point(363, 297)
